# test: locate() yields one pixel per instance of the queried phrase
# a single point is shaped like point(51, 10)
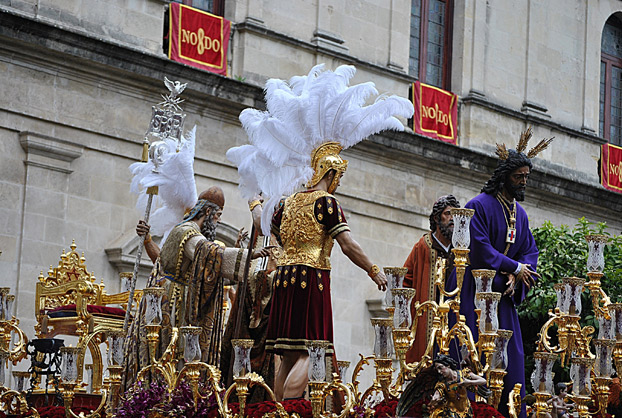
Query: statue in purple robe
point(501, 240)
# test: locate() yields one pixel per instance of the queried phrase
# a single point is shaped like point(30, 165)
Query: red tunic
point(301, 308)
point(421, 278)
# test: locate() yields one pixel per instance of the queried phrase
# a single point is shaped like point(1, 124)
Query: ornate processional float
point(178, 369)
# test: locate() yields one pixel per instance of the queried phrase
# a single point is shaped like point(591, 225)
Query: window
point(610, 120)
point(430, 41)
point(212, 6)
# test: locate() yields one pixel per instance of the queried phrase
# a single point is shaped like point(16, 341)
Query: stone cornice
point(138, 64)
point(463, 162)
point(482, 101)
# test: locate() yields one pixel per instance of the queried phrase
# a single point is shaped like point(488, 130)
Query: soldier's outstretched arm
point(355, 253)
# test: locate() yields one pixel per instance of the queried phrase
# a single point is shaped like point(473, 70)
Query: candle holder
point(126, 281)
point(461, 237)
point(573, 286)
point(483, 280)
point(319, 390)
point(343, 366)
point(615, 310)
point(402, 299)
point(4, 314)
point(542, 382)
point(395, 280)
point(383, 343)
point(116, 340)
point(603, 368)
point(498, 366)
point(153, 318)
point(317, 360)
point(69, 377)
point(4, 357)
point(559, 292)
point(596, 253)
point(317, 374)
point(242, 362)
point(580, 373)
point(19, 379)
point(192, 348)
point(488, 303)
point(461, 240)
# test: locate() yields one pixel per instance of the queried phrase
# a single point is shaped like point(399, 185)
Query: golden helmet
point(325, 158)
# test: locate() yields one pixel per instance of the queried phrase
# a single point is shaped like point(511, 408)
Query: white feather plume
point(177, 190)
point(301, 115)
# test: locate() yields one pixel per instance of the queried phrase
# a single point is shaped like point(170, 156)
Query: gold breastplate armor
point(305, 240)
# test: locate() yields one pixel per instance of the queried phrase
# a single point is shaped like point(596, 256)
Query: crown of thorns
point(525, 136)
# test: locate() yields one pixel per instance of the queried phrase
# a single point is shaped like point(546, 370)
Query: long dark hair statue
point(505, 167)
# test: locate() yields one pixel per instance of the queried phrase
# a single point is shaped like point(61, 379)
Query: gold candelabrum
point(319, 389)
point(448, 301)
point(9, 325)
point(574, 341)
point(195, 371)
point(489, 355)
point(11, 401)
point(70, 383)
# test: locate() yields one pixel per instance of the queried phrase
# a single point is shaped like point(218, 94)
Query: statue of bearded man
point(191, 268)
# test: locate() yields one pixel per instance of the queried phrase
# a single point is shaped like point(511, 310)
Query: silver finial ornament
point(167, 118)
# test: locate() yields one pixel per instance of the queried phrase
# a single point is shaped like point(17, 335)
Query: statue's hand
point(142, 228)
point(242, 235)
point(381, 280)
point(527, 276)
point(511, 284)
point(263, 252)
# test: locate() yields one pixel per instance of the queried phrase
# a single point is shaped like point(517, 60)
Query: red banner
point(436, 112)
point(611, 167)
point(198, 38)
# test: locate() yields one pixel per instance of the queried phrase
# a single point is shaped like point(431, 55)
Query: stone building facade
point(78, 78)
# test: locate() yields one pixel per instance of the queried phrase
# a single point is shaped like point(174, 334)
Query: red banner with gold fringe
point(198, 38)
point(436, 112)
point(611, 167)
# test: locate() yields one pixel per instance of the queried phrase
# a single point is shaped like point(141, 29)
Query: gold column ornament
point(153, 338)
point(515, 401)
point(542, 407)
point(14, 403)
point(460, 261)
point(601, 390)
point(495, 382)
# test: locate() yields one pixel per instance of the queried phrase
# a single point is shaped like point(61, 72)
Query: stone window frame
point(419, 44)
point(608, 64)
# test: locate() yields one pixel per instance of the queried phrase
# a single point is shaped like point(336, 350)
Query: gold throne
point(69, 302)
